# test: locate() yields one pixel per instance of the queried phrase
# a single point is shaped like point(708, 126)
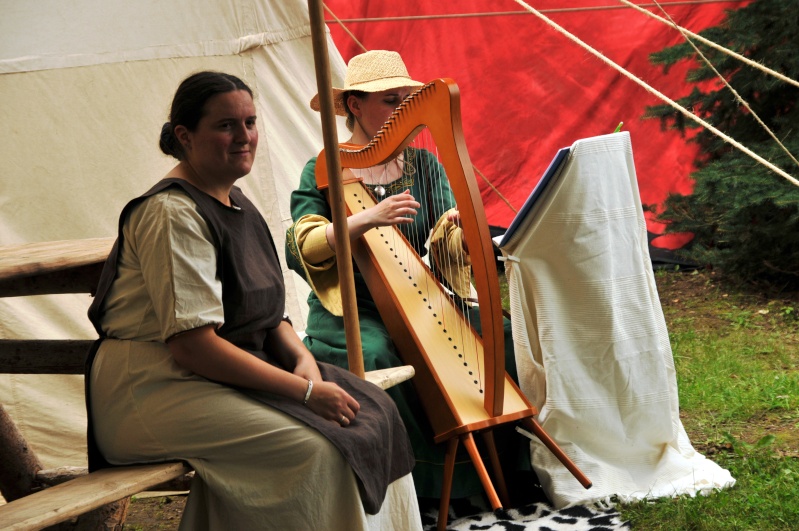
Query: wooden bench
point(78, 496)
point(102, 496)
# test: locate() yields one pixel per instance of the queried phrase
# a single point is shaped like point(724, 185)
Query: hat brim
point(376, 85)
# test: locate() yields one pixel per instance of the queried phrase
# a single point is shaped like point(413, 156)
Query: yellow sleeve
point(319, 261)
point(450, 258)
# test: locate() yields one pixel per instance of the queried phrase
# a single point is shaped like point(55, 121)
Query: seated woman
point(376, 83)
point(196, 360)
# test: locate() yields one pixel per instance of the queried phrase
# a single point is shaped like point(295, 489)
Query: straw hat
point(371, 71)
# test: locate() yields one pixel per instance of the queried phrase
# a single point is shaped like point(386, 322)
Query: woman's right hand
point(393, 210)
point(333, 403)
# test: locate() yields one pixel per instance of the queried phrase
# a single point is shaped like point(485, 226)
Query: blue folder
point(538, 189)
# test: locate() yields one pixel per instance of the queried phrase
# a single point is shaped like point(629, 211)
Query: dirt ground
point(698, 295)
point(155, 513)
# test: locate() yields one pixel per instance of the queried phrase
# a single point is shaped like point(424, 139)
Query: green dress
point(325, 332)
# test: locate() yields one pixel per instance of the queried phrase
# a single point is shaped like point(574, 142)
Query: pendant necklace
point(379, 189)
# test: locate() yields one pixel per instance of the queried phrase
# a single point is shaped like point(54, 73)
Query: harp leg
point(531, 424)
point(446, 487)
point(471, 447)
point(488, 439)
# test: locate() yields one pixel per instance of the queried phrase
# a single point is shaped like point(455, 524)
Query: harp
point(460, 374)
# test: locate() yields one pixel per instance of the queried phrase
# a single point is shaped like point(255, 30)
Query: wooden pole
point(18, 462)
point(346, 277)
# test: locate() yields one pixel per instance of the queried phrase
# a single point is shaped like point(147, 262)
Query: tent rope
point(507, 13)
point(657, 93)
point(714, 45)
point(495, 190)
point(344, 27)
point(726, 83)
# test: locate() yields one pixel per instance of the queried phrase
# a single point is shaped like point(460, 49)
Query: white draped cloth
point(592, 348)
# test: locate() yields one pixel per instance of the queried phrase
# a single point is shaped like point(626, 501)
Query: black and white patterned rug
point(538, 516)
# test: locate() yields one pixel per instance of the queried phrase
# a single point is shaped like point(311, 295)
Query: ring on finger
point(343, 419)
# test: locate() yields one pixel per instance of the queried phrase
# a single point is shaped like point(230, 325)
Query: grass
point(737, 360)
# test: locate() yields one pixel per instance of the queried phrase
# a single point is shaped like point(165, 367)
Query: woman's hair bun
point(168, 143)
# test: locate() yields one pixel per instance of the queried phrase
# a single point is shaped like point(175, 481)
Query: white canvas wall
point(84, 89)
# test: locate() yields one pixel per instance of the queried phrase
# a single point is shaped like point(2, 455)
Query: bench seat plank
point(66, 266)
point(385, 378)
point(29, 259)
point(43, 356)
point(78, 496)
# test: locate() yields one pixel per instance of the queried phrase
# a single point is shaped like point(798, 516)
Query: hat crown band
point(365, 77)
point(401, 81)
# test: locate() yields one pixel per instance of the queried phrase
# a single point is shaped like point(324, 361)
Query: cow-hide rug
point(537, 516)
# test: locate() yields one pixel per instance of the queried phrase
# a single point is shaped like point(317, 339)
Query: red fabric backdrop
point(527, 90)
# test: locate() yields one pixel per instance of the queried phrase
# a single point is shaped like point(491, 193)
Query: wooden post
point(18, 462)
point(346, 277)
point(18, 468)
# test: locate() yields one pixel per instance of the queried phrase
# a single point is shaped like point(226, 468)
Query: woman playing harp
point(414, 194)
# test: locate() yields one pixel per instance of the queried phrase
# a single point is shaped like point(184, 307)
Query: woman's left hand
point(455, 217)
point(333, 403)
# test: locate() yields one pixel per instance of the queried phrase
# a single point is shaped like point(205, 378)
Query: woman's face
point(222, 146)
point(372, 111)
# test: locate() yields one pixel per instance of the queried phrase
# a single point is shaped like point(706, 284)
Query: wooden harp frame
point(437, 107)
point(455, 403)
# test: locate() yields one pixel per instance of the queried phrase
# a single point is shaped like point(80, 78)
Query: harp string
point(392, 177)
point(437, 182)
point(466, 337)
point(435, 190)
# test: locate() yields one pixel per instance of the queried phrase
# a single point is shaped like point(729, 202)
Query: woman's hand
point(206, 354)
point(333, 403)
point(455, 217)
point(393, 210)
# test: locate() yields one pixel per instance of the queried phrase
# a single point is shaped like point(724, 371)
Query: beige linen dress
point(257, 468)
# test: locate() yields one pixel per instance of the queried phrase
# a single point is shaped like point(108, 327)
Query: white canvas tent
point(84, 89)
